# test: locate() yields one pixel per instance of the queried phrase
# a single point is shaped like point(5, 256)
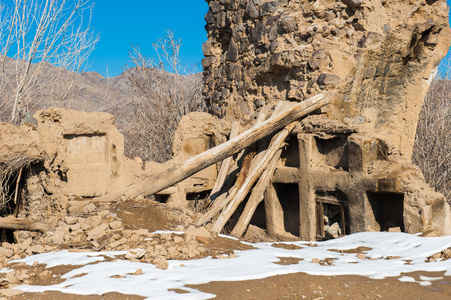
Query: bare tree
point(432, 148)
point(34, 34)
point(163, 94)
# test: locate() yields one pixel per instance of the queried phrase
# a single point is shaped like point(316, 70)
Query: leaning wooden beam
point(22, 224)
point(256, 197)
point(276, 143)
point(225, 166)
point(180, 171)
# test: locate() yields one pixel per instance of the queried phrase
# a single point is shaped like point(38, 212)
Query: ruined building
point(349, 166)
point(344, 169)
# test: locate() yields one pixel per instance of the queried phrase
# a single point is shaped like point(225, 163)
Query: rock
point(6, 252)
point(89, 208)
point(58, 236)
point(352, 3)
point(178, 239)
point(135, 253)
point(328, 80)
point(10, 292)
point(115, 225)
point(288, 24)
point(161, 264)
point(315, 260)
point(436, 256)
point(256, 32)
point(179, 228)
point(207, 48)
point(138, 272)
point(36, 249)
point(232, 52)
point(430, 233)
point(11, 277)
point(216, 7)
point(70, 220)
point(98, 232)
point(166, 236)
point(208, 61)
point(251, 10)
point(361, 256)
point(268, 8)
point(192, 233)
point(94, 221)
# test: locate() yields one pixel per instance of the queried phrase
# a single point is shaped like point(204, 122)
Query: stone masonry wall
point(377, 57)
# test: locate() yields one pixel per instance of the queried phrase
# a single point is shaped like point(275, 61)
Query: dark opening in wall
point(388, 209)
point(259, 217)
point(197, 200)
point(290, 153)
point(288, 194)
point(333, 152)
point(332, 217)
point(162, 198)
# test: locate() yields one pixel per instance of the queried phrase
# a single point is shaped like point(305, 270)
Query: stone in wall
point(378, 57)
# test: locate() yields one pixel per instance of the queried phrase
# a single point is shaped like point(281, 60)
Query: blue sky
point(122, 23)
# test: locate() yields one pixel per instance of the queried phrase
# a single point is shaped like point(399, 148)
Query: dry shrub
point(432, 148)
point(162, 95)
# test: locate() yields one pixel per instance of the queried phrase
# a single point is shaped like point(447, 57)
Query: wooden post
point(180, 171)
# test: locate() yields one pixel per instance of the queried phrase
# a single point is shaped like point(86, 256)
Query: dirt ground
point(152, 216)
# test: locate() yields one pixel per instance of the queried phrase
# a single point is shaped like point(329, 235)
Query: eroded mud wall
point(378, 56)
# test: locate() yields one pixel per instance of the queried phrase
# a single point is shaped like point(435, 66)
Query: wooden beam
point(22, 224)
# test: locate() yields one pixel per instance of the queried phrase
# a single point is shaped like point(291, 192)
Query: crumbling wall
point(379, 58)
point(375, 60)
point(77, 155)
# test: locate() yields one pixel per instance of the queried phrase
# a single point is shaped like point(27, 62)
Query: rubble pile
point(98, 229)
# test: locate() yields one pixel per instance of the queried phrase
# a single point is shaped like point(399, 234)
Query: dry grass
point(10, 167)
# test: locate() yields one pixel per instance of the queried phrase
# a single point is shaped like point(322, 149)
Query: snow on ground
point(95, 278)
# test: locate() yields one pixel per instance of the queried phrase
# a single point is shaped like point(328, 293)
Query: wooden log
point(256, 197)
point(276, 142)
point(225, 166)
point(185, 169)
point(22, 224)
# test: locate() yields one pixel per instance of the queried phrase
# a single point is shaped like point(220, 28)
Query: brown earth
point(153, 216)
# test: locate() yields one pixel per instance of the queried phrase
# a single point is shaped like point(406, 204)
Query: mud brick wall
point(378, 57)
